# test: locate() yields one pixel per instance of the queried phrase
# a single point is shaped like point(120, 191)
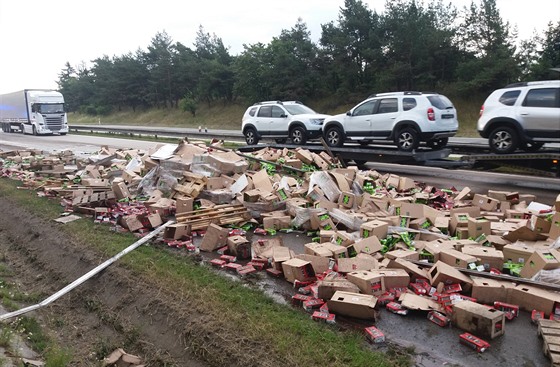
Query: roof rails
point(268, 102)
point(406, 93)
point(524, 84)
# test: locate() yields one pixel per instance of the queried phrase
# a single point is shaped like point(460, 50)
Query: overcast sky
point(38, 37)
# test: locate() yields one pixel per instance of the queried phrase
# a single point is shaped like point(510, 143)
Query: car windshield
point(298, 109)
point(51, 108)
point(440, 102)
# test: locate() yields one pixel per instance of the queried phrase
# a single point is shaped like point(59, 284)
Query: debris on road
point(462, 258)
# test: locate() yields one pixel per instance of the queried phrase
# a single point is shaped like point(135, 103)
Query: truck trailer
point(33, 111)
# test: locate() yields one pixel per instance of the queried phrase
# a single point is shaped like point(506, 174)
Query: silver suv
point(407, 118)
point(521, 115)
point(280, 121)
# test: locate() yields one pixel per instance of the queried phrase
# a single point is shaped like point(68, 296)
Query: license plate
point(447, 116)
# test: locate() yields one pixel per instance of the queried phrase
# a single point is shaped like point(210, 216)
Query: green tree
point(488, 43)
point(547, 55)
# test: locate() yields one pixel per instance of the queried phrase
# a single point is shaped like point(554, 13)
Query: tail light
point(431, 114)
point(481, 110)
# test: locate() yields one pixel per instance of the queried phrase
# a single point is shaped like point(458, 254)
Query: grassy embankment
point(220, 116)
point(284, 332)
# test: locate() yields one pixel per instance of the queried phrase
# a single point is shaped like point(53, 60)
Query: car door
point(278, 121)
point(383, 119)
point(540, 112)
point(358, 121)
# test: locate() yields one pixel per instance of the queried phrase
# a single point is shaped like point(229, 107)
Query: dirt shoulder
point(114, 309)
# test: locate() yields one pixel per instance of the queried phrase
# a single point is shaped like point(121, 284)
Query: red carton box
point(536, 316)
point(438, 318)
point(228, 258)
point(374, 335)
point(312, 304)
point(511, 311)
point(323, 316)
point(453, 288)
point(247, 269)
point(298, 299)
point(473, 342)
point(397, 308)
point(274, 272)
point(232, 266)
point(218, 263)
point(385, 298)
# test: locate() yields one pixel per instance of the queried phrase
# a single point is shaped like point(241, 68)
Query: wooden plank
point(549, 323)
point(554, 348)
point(546, 331)
point(552, 340)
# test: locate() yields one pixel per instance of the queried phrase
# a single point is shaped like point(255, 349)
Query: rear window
point(544, 97)
point(509, 97)
point(440, 102)
point(252, 111)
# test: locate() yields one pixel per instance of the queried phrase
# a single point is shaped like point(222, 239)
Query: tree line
point(411, 45)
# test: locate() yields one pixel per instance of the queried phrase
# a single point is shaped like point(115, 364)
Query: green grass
point(220, 116)
point(286, 333)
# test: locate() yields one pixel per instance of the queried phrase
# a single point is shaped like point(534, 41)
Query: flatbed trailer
point(543, 164)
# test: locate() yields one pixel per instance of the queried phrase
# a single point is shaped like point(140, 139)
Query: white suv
point(407, 118)
point(521, 115)
point(280, 121)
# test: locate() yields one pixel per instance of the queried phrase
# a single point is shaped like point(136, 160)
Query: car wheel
point(532, 147)
point(297, 134)
point(437, 143)
point(503, 140)
point(280, 141)
point(407, 139)
point(251, 137)
point(334, 137)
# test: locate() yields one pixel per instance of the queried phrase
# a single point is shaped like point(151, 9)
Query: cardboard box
point(413, 301)
point(375, 228)
point(131, 222)
point(214, 238)
point(297, 269)
point(531, 298)
point(457, 259)
point(337, 251)
point(540, 260)
point(485, 202)
point(279, 255)
point(446, 274)
point(403, 254)
point(414, 271)
point(327, 288)
point(277, 222)
point(346, 199)
point(377, 281)
point(478, 226)
point(356, 305)
point(121, 190)
point(369, 245)
point(555, 225)
point(478, 319)
point(155, 220)
point(320, 264)
point(239, 247)
point(487, 256)
point(177, 231)
point(317, 249)
point(487, 290)
point(360, 262)
point(432, 250)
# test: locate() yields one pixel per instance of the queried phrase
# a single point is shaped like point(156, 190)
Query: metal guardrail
point(168, 132)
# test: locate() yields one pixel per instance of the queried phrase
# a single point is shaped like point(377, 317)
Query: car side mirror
point(349, 113)
point(283, 115)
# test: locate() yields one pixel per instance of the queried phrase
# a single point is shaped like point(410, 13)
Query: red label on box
point(397, 308)
point(323, 316)
point(374, 335)
point(438, 318)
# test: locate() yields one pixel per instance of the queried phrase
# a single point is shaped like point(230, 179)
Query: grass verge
point(287, 334)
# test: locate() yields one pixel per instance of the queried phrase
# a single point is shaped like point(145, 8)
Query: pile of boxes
point(375, 240)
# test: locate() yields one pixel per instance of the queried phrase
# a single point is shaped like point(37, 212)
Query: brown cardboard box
point(457, 259)
point(411, 210)
point(485, 202)
point(487, 290)
point(414, 271)
point(504, 195)
point(277, 222)
point(478, 226)
point(517, 252)
point(413, 301)
point(375, 227)
point(377, 281)
point(177, 231)
point(487, 256)
point(459, 220)
point(337, 251)
point(540, 260)
point(540, 224)
point(524, 233)
point(279, 255)
point(184, 205)
point(360, 262)
point(131, 223)
point(297, 269)
point(327, 288)
point(346, 199)
point(121, 190)
point(214, 238)
point(239, 247)
point(555, 226)
point(403, 254)
point(446, 274)
point(434, 248)
point(530, 298)
point(320, 264)
point(155, 220)
point(343, 238)
point(317, 249)
point(356, 305)
point(487, 323)
point(369, 245)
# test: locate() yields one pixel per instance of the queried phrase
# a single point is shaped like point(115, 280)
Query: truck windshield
point(51, 108)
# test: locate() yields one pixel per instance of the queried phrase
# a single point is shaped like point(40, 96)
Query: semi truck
point(33, 111)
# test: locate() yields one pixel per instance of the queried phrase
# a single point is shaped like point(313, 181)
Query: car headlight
point(316, 121)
